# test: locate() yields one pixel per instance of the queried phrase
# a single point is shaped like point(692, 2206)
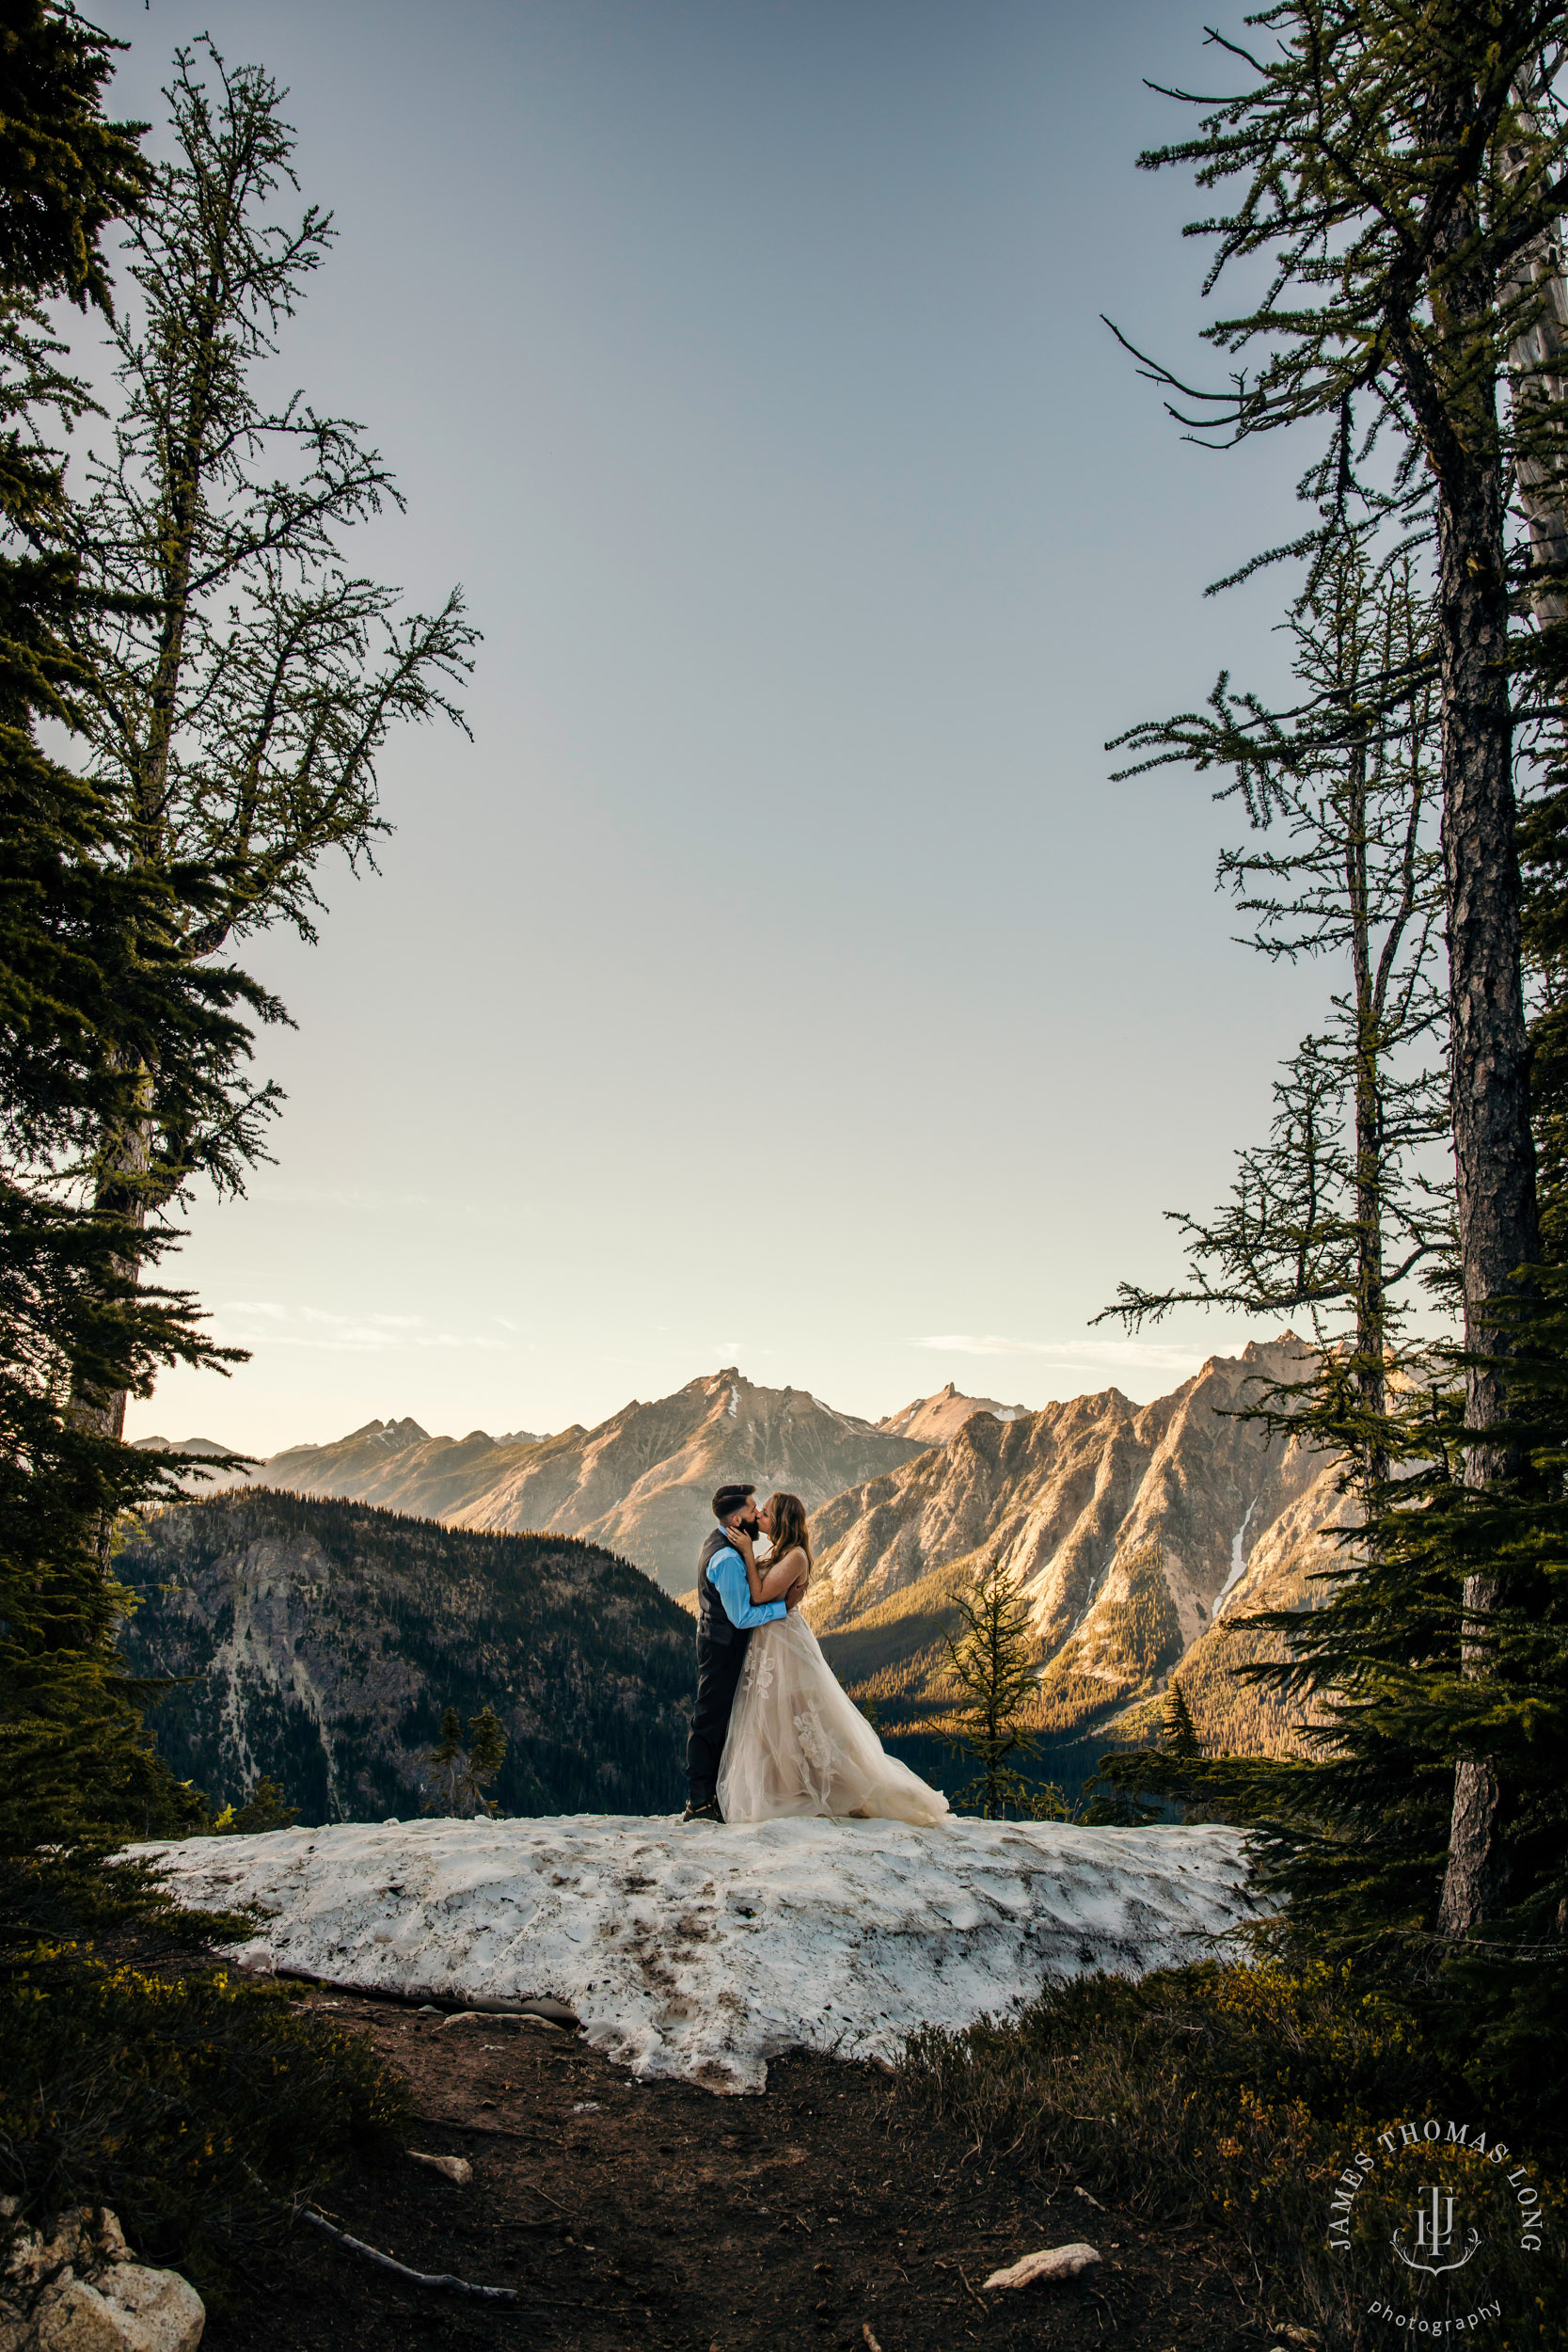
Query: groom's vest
point(712, 1624)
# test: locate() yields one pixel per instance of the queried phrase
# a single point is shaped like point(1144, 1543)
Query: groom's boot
point(706, 1811)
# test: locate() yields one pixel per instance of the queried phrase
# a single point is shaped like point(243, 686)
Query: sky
point(776, 978)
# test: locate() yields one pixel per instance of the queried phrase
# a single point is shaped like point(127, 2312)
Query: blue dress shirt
point(726, 1573)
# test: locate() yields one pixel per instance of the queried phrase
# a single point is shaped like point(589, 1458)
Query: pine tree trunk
point(126, 1154)
point(123, 1193)
point(1538, 364)
point(1494, 1151)
point(1538, 380)
point(1371, 1316)
point(1493, 1156)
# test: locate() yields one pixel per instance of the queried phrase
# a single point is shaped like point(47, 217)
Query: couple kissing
point(774, 1737)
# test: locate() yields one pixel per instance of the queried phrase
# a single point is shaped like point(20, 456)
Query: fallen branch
point(534, 2190)
point(444, 2278)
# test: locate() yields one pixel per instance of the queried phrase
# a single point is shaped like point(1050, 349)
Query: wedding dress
point(798, 1745)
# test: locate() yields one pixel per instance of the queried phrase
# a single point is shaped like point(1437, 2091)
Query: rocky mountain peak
point(935, 1420)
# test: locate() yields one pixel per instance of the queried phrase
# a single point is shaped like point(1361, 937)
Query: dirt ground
point(659, 2215)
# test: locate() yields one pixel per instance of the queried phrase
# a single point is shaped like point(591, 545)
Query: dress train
point(798, 1746)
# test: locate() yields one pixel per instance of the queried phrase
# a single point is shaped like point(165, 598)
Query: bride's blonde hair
point(790, 1531)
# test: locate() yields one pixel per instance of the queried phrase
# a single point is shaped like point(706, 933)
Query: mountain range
point(640, 1484)
point(1138, 1532)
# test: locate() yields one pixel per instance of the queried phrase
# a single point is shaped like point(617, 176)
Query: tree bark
point(1538, 382)
point(123, 1192)
point(1494, 1154)
point(1370, 1314)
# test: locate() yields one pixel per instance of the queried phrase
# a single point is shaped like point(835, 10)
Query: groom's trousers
point(718, 1665)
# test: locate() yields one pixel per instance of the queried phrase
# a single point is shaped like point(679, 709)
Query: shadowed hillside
point(324, 1639)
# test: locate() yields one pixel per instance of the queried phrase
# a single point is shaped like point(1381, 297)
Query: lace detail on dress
point(815, 1745)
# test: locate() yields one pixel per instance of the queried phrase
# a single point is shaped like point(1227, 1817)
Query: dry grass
point(1237, 2097)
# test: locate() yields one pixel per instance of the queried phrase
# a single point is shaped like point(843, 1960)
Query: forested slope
point(321, 1641)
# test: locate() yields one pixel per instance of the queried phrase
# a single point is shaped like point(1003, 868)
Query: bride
point(797, 1743)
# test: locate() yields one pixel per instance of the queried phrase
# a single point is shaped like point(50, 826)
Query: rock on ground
point(80, 2291)
point(702, 1952)
point(1052, 2262)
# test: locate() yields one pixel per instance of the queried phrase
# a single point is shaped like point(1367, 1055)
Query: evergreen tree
point(1393, 173)
point(264, 1808)
point(487, 1754)
point(91, 981)
point(1337, 1217)
point(445, 1762)
point(1177, 1731)
point(991, 1661)
point(65, 172)
point(459, 1776)
point(196, 2108)
point(1351, 1840)
point(243, 678)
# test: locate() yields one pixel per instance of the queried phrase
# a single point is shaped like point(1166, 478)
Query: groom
point(725, 1616)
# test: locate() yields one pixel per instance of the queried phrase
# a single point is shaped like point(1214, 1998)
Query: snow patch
point(702, 1952)
point(845, 1420)
point(1238, 1566)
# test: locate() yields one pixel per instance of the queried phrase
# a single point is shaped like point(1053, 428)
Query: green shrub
point(142, 2074)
